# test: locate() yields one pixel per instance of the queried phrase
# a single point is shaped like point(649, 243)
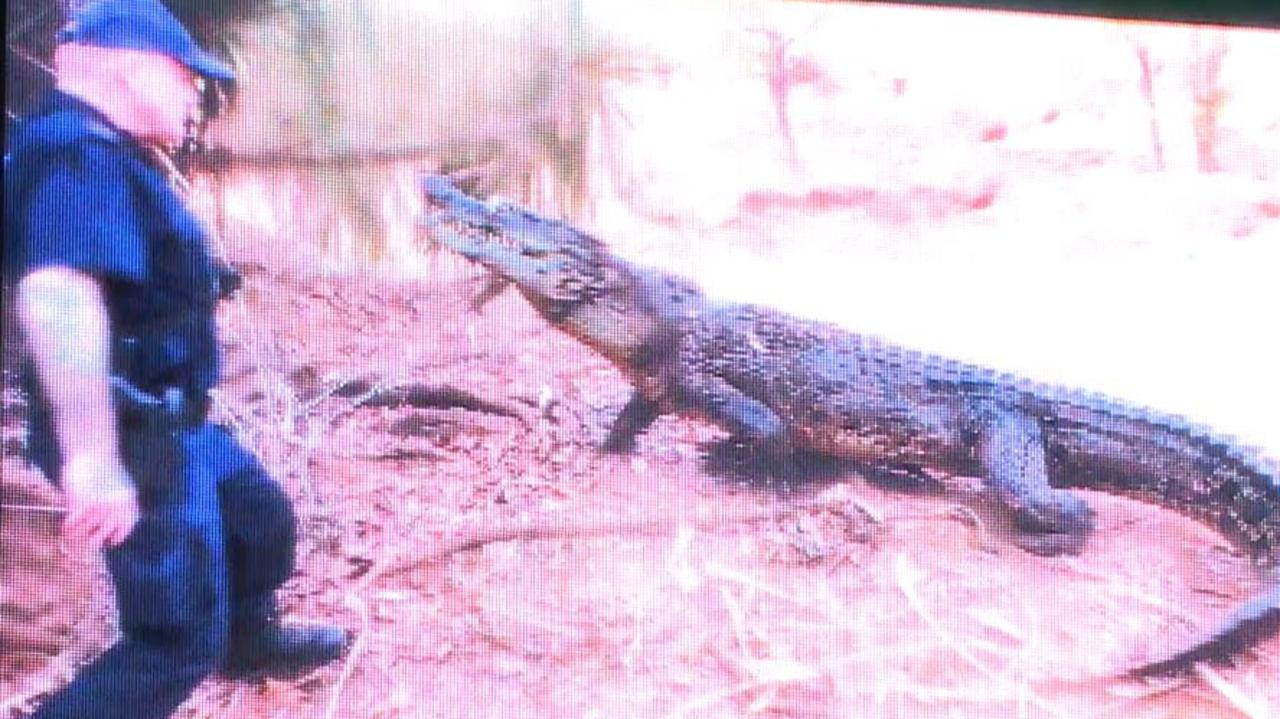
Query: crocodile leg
point(744, 416)
point(635, 417)
point(1251, 623)
point(493, 286)
point(1053, 521)
point(750, 421)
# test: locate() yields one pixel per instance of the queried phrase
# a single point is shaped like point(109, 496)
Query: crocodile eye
point(534, 252)
point(489, 229)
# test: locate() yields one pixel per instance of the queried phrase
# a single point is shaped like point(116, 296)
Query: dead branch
point(562, 526)
point(35, 508)
point(422, 396)
point(353, 655)
point(216, 159)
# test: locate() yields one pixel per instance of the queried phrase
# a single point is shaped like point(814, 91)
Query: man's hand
point(102, 505)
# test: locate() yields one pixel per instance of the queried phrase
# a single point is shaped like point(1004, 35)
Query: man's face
point(147, 94)
point(166, 98)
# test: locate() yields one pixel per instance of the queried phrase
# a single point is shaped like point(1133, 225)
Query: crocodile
point(782, 384)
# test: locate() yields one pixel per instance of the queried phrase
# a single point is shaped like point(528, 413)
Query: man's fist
point(102, 505)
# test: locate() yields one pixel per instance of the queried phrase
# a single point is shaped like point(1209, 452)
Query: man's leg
point(172, 597)
point(261, 537)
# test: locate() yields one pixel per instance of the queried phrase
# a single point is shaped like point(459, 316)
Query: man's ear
point(138, 73)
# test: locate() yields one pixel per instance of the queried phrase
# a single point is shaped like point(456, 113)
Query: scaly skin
point(782, 383)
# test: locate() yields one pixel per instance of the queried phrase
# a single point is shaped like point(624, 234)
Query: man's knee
point(260, 528)
point(258, 521)
point(253, 506)
point(253, 501)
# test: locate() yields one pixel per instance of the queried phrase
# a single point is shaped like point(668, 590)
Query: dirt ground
point(862, 601)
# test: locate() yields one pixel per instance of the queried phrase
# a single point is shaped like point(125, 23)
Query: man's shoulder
point(66, 135)
point(65, 129)
point(69, 198)
point(63, 155)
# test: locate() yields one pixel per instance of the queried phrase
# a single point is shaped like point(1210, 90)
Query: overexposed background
point(1083, 201)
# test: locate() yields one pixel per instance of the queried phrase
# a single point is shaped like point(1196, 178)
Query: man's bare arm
point(64, 318)
point(67, 330)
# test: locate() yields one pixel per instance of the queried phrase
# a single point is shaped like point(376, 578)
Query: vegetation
point(350, 92)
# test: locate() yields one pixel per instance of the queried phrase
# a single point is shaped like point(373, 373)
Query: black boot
point(274, 649)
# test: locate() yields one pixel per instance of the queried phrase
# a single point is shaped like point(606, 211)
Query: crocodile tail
point(1098, 443)
point(1168, 460)
point(1253, 622)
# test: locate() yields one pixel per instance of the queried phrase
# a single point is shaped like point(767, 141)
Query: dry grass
point(513, 90)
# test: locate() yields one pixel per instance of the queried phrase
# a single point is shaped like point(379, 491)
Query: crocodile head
point(554, 266)
point(568, 276)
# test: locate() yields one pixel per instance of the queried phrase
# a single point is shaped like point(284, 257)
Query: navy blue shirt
point(83, 194)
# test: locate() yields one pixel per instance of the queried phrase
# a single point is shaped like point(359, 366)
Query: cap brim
point(209, 66)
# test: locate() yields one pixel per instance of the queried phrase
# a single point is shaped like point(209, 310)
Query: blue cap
point(143, 25)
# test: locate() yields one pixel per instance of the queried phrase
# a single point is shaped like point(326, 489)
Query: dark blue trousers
point(216, 538)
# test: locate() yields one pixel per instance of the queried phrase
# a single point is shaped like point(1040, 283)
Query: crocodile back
point(863, 398)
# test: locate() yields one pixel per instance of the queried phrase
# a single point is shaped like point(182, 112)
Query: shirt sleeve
point(84, 215)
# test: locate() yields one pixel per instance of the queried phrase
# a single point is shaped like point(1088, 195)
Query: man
point(115, 294)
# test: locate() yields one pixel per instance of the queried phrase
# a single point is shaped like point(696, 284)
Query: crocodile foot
point(1058, 524)
point(618, 443)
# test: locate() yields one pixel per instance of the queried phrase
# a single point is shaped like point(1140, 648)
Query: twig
point(709, 700)
point(1252, 707)
point(29, 58)
point(222, 158)
point(219, 158)
point(423, 396)
point(906, 574)
point(357, 648)
point(721, 571)
point(1147, 85)
point(39, 508)
point(559, 526)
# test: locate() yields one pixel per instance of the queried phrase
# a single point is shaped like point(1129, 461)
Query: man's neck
point(154, 155)
point(60, 100)
point(99, 100)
